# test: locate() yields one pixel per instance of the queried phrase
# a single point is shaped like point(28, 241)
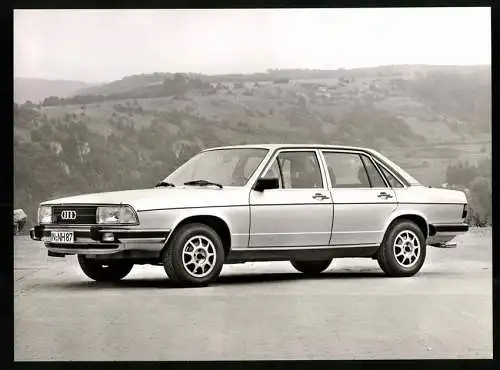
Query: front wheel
point(311, 267)
point(403, 250)
point(194, 256)
point(100, 270)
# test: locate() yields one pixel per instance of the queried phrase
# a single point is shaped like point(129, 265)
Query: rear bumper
point(441, 234)
point(451, 228)
point(89, 240)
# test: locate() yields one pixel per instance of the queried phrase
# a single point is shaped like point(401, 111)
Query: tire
point(99, 270)
point(311, 267)
point(403, 250)
point(189, 263)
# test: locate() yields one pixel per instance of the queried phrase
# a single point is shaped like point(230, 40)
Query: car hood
point(163, 197)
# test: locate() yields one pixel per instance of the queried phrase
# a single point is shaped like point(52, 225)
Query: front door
point(362, 199)
point(300, 212)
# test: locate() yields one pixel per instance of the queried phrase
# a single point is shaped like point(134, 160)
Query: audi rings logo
point(68, 215)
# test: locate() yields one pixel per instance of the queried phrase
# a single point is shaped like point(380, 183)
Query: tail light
point(465, 211)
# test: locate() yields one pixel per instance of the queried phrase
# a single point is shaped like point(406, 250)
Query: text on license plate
point(61, 236)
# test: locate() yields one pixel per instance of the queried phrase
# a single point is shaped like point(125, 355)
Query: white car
point(307, 204)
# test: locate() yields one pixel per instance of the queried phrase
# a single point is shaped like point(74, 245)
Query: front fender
point(237, 219)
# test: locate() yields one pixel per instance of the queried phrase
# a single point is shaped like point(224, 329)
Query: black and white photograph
point(252, 184)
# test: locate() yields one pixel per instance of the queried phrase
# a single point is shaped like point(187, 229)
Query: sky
point(105, 45)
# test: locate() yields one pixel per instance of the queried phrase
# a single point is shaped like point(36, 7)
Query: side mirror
point(267, 184)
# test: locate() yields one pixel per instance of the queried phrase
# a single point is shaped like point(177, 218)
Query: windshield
point(227, 167)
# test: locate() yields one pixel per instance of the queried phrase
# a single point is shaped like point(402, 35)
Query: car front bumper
point(89, 240)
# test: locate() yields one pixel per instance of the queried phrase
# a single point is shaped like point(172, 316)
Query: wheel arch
point(217, 223)
point(417, 217)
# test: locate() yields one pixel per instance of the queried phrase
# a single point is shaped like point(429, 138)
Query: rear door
point(362, 199)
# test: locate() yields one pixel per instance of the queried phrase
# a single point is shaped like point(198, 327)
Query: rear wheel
point(403, 250)
point(100, 270)
point(194, 256)
point(311, 267)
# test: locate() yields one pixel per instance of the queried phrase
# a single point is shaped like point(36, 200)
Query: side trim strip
point(294, 233)
point(448, 204)
point(402, 203)
point(293, 204)
point(198, 207)
point(362, 203)
point(311, 254)
point(304, 248)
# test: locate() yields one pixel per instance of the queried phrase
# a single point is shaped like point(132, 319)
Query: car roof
point(406, 176)
point(280, 146)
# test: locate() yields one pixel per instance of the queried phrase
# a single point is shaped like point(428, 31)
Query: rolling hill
point(37, 89)
point(133, 132)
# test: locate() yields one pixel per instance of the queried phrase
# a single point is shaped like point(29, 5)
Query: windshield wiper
point(164, 183)
point(202, 183)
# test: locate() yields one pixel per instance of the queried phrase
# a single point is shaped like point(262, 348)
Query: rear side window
point(376, 180)
point(390, 178)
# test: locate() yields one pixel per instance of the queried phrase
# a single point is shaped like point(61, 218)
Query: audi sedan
point(307, 204)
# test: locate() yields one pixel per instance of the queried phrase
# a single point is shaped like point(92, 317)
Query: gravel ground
point(258, 311)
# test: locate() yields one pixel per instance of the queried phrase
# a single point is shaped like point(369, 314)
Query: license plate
point(61, 237)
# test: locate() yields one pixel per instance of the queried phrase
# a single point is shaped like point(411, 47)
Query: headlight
point(45, 215)
point(116, 215)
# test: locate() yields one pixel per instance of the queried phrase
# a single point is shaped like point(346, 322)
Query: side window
point(346, 170)
point(376, 180)
point(273, 172)
point(390, 178)
point(300, 170)
point(286, 172)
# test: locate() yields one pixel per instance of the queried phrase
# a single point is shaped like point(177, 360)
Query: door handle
point(319, 196)
point(384, 195)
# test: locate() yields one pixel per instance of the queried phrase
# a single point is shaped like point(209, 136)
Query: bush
point(480, 201)
point(36, 136)
point(476, 182)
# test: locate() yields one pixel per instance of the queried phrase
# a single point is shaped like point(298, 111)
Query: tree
point(480, 194)
point(179, 78)
point(463, 176)
point(36, 136)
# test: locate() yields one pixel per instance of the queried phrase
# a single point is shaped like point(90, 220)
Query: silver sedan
point(307, 204)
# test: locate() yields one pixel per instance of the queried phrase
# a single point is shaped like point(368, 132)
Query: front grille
point(85, 215)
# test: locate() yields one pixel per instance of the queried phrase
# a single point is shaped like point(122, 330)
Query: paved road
point(257, 311)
